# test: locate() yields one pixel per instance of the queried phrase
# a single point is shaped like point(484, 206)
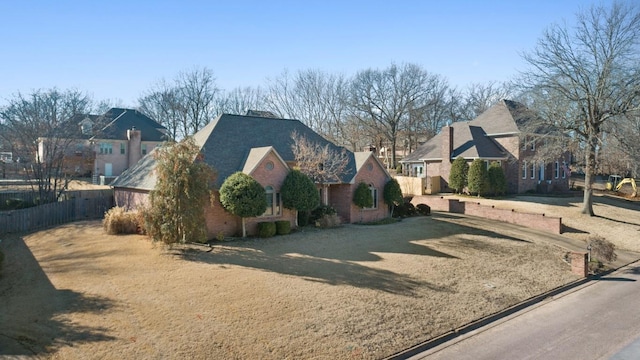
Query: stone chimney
point(135, 146)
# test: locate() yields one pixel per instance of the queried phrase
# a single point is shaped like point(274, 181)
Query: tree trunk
point(590, 160)
point(393, 153)
point(244, 229)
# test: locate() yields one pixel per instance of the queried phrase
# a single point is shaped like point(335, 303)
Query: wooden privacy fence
point(31, 196)
point(61, 212)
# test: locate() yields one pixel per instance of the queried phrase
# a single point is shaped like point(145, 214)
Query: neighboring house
point(262, 148)
point(106, 145)
point(499, 134)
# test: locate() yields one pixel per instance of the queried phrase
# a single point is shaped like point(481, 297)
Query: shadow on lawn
point(30, 322)
point(339, 256)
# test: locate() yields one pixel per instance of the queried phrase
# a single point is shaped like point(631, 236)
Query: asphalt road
point(599, 320)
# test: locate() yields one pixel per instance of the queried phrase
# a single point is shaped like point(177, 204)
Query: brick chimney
point(447, 143)
point(135, 146)
point(446, 136)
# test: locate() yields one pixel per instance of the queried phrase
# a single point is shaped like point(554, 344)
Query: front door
point(108, 169)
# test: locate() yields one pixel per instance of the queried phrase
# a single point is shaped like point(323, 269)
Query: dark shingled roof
point(119, 120)
point(468, 141)
point(473, 139)
point(227, 141)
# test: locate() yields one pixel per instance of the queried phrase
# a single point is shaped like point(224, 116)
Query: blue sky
point(118, 49)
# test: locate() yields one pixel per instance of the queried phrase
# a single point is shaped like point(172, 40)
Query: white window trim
point(557, 169)
point(276, 207)
point(533, 169)
point(374, 196)
point(524, 168)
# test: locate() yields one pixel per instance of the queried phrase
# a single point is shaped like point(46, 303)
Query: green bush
point(321, 211)
point(362, 196)
point(303, 218)
point(478, 179)
point(405, 209)
point(328, 221)
point(283, 227)
point(119, 221)
point(497, 179)
point(458, 174)
point(266, 229)
point(1, 260)
point(423, 209)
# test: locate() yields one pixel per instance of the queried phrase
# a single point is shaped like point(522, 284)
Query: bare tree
point(428, 117)
point(316, 98)
point(163, 104)
point(594, 68)
point(383, 99)
point(184, 105)
point(323, 164)
point(239, 100)
point(621, 148)
point(478, 97)
point(42, 127)
point(197, 91)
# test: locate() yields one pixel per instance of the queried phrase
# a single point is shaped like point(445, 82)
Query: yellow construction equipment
point(615, 183)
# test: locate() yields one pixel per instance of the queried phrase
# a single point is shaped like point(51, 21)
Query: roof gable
point(361, 159)
point(256, 157)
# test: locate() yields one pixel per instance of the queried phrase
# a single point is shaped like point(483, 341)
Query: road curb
point(477, 324)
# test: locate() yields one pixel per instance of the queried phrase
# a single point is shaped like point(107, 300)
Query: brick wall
point(535, 221)
point(371, 173)
point(341, 196)
point(130, 199)
point(579, 263)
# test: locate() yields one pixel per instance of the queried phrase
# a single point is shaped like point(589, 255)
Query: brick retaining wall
point(535, 221)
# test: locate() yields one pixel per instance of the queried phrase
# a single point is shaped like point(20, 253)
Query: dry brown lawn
point(354, 292)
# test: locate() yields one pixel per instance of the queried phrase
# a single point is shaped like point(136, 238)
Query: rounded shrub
point(266, 229)
point(423, 209)
point(283, 227)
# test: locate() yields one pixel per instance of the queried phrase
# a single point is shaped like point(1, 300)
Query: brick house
point(106, 145)
point(499, 134)
point(262, 148)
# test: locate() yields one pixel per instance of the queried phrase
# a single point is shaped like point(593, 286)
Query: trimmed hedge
point(266, 229)
point(283, 227)
point(423, 209)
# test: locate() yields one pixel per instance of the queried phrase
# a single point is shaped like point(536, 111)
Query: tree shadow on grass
point(341, 256)
point(331, 272)
point(30, 315)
